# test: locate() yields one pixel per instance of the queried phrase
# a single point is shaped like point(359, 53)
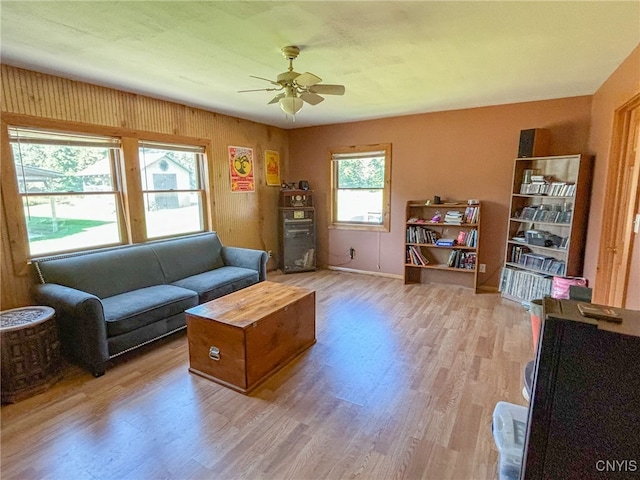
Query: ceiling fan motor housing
point(290, 52)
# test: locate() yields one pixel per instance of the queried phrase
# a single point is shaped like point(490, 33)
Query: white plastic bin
point(509, 430)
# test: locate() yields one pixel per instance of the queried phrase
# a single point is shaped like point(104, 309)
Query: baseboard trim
point(365, 272)
point(486, 289)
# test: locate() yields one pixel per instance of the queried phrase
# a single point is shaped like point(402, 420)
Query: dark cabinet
point(584, 415)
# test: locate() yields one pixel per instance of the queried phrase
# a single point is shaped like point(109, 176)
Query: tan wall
point(617, 90)
point(241, 219)
point(457, 154)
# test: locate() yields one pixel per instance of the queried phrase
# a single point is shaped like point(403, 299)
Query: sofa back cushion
point(186, 256)
point(104, 273)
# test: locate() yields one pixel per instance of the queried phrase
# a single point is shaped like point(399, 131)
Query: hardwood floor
point(401, 384)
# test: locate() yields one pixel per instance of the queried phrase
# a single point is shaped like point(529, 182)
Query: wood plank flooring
point(401, 384)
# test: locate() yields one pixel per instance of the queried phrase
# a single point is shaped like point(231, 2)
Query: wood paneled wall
point(241, 219)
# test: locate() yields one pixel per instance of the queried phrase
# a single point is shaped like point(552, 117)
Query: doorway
point(617, 281)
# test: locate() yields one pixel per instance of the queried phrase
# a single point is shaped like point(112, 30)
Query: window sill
point(358, 226)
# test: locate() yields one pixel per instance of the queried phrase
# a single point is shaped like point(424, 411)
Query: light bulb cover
point(290, 105)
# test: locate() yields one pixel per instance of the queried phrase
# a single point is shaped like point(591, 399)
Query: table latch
point(214, 353)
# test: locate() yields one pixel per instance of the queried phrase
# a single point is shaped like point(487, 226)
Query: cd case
point(599, 312)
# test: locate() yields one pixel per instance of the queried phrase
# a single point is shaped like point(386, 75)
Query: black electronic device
point(534, 142)
point(585, 404)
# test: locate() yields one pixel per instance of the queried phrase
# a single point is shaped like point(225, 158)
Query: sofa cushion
point(186, 256)
point(219, 282)
point(104, 273)
point(131, 310)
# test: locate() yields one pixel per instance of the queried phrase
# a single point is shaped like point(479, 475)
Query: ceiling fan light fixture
point(296, 88)
point(290, 105)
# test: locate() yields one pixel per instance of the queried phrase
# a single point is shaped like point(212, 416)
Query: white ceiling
point(394, 57)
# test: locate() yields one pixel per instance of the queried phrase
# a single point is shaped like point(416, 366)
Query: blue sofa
point(110, 301)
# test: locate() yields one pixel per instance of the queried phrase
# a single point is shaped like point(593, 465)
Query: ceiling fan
point(296, 87)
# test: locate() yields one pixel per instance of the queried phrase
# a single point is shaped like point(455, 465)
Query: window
point(172, 188)
point(69, 189)
point(81, 191)
point(361, 179)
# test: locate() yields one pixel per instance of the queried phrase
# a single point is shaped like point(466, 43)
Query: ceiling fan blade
point(259, 90)
point(311, 98)
point(266, 80)
point(327, 89)
point(276, 99)
point(307, 79)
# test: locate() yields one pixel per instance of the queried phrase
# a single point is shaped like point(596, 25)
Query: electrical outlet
point(352, 252)
point(483, 268)
point(270, 254)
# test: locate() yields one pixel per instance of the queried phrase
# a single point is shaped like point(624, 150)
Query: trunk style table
point(241, 339)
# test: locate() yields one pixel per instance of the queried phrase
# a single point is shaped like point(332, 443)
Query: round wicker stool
point(31, 360)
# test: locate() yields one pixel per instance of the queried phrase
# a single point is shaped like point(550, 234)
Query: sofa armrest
point(81, 324)
point(246, 258)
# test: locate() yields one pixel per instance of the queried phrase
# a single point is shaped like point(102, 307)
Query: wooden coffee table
point(241, 339)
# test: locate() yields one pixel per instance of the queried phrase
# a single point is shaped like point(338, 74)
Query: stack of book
point(453, 217)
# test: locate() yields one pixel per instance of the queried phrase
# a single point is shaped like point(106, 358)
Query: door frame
point(622, 196)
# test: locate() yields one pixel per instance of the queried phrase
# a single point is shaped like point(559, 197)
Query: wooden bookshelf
point(429, 262)
point(547, 224)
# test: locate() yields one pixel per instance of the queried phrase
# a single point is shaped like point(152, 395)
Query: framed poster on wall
point(241, 169)
point(272, 167)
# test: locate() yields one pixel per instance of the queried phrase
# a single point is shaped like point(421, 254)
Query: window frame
point(133, 224)
point(358, 151)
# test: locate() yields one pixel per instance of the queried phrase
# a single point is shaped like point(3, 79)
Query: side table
point(31, 359)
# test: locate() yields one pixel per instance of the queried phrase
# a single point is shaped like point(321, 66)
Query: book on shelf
point(461, 259)
point(446, 242)
point(420, 234)
point(472, 238)
point(467, 239)
point(471, 214)
point(415, 256)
